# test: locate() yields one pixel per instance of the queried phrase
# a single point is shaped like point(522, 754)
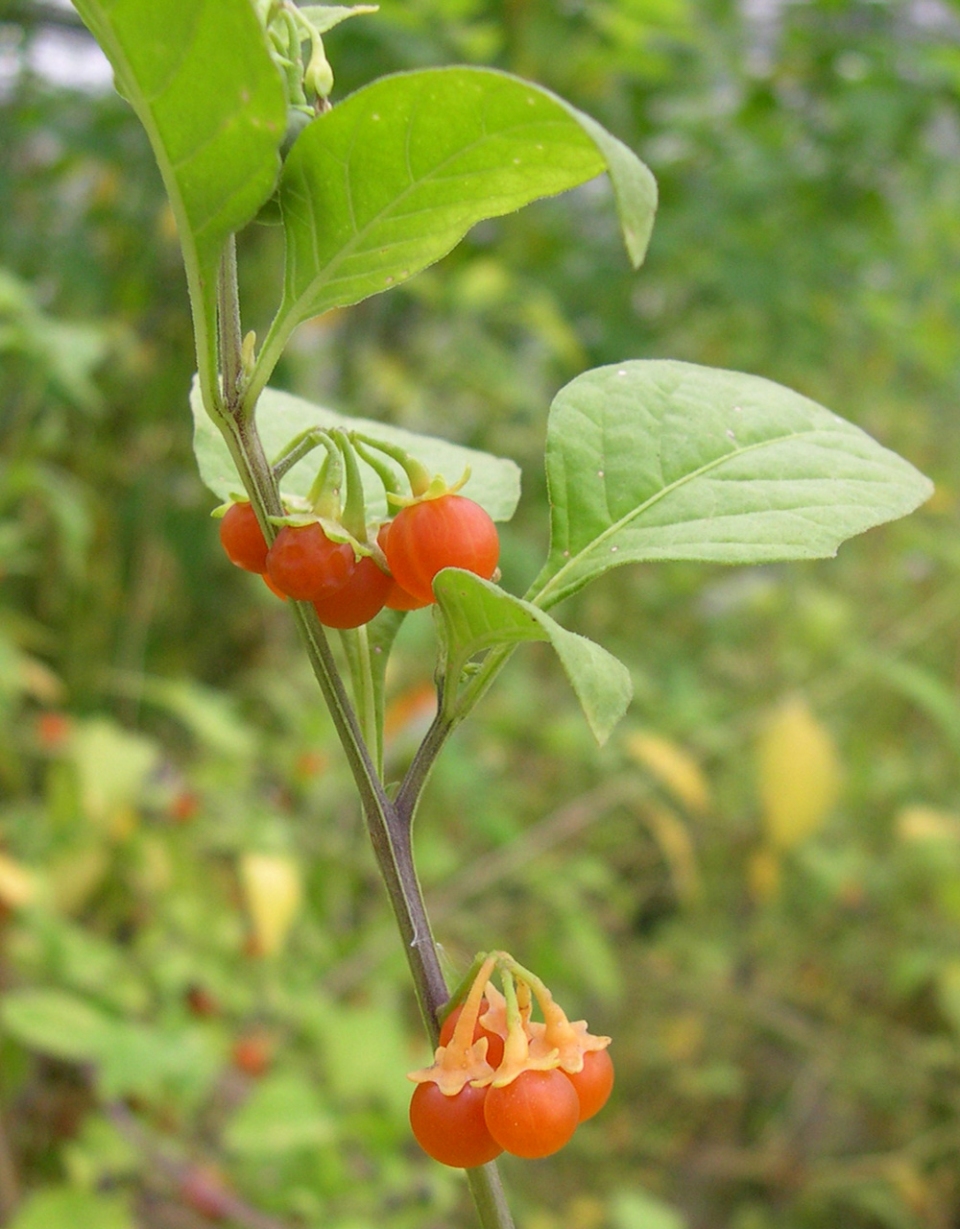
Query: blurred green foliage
point(782, 981)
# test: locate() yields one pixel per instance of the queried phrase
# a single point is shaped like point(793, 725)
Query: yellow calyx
point(463, 1061)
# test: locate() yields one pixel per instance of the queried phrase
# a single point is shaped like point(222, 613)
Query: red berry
point(305, 564)
point(494, 1040)
point(242, 538)
point(273, 588)
point(358, 599)
point(184, 806)
point(53, 730)
point(252, 1054)
point(594, 1083)
point(452, 1129)
point(397, 597)
point(535, 1114)
point(448, 532)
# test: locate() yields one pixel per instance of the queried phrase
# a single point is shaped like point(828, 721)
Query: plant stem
point(389, 828)
point(449, 715)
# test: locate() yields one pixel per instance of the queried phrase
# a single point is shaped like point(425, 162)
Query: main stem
point(390, 829)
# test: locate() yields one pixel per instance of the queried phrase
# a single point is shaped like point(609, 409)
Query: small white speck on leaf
point(622, 371)
point(599, 473)
point(614, 549)
point(731, 436)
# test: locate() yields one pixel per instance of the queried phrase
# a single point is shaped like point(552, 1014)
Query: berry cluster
point(501, 1081)
point(349, 570)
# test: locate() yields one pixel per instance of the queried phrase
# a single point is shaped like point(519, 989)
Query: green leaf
point(494, 482)
point(57, 1023)
point(210, 715)
point(200, 78)
point(324, 17)
point(67, 1208)
point(283, 1115)
point(477, 615)
point(638, 1210)
point(667, 460)
point(394, 176)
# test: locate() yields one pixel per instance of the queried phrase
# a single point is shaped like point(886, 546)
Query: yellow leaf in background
point(271, 885)
point(798, 775)
point(923, 823)
point(75, 876)
point(763, 875)
point(676, 845)
point(18, 886)
point(673, 767)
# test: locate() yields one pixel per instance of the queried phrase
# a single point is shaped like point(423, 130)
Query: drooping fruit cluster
point(327, 554)
point(501, 1081)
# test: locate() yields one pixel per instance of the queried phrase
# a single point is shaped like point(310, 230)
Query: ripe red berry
point(494, 1040)
point(242, 538)
point(397, 597)
point(452, 1129)
point(359, 598)
point(594, 1083)
point(448, 532)
point(535, 1114)
point(305, 564)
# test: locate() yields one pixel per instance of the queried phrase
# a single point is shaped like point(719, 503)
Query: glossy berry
point(594, 1083)
point(397, 597)
point(273, 588)
point(448, 532)
point(242, 538)
point(494, 1040)
point(359, 598)
point(452, 1129)
point(305, 564)
point(535, 1114)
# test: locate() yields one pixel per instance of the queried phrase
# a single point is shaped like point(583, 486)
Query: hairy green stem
point(389, 828)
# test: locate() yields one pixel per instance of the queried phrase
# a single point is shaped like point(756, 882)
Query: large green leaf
point(202, 82)
point(667, 460)
point(477, 615)
point(394, 176)
point(494, 482)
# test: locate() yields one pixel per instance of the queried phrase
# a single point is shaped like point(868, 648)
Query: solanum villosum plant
point(646, 460)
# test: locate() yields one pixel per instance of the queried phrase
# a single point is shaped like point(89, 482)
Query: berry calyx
point(242, 538)
point(494, 1039)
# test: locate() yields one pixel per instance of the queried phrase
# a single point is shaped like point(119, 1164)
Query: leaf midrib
point(350, 248)
point(538, 599)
